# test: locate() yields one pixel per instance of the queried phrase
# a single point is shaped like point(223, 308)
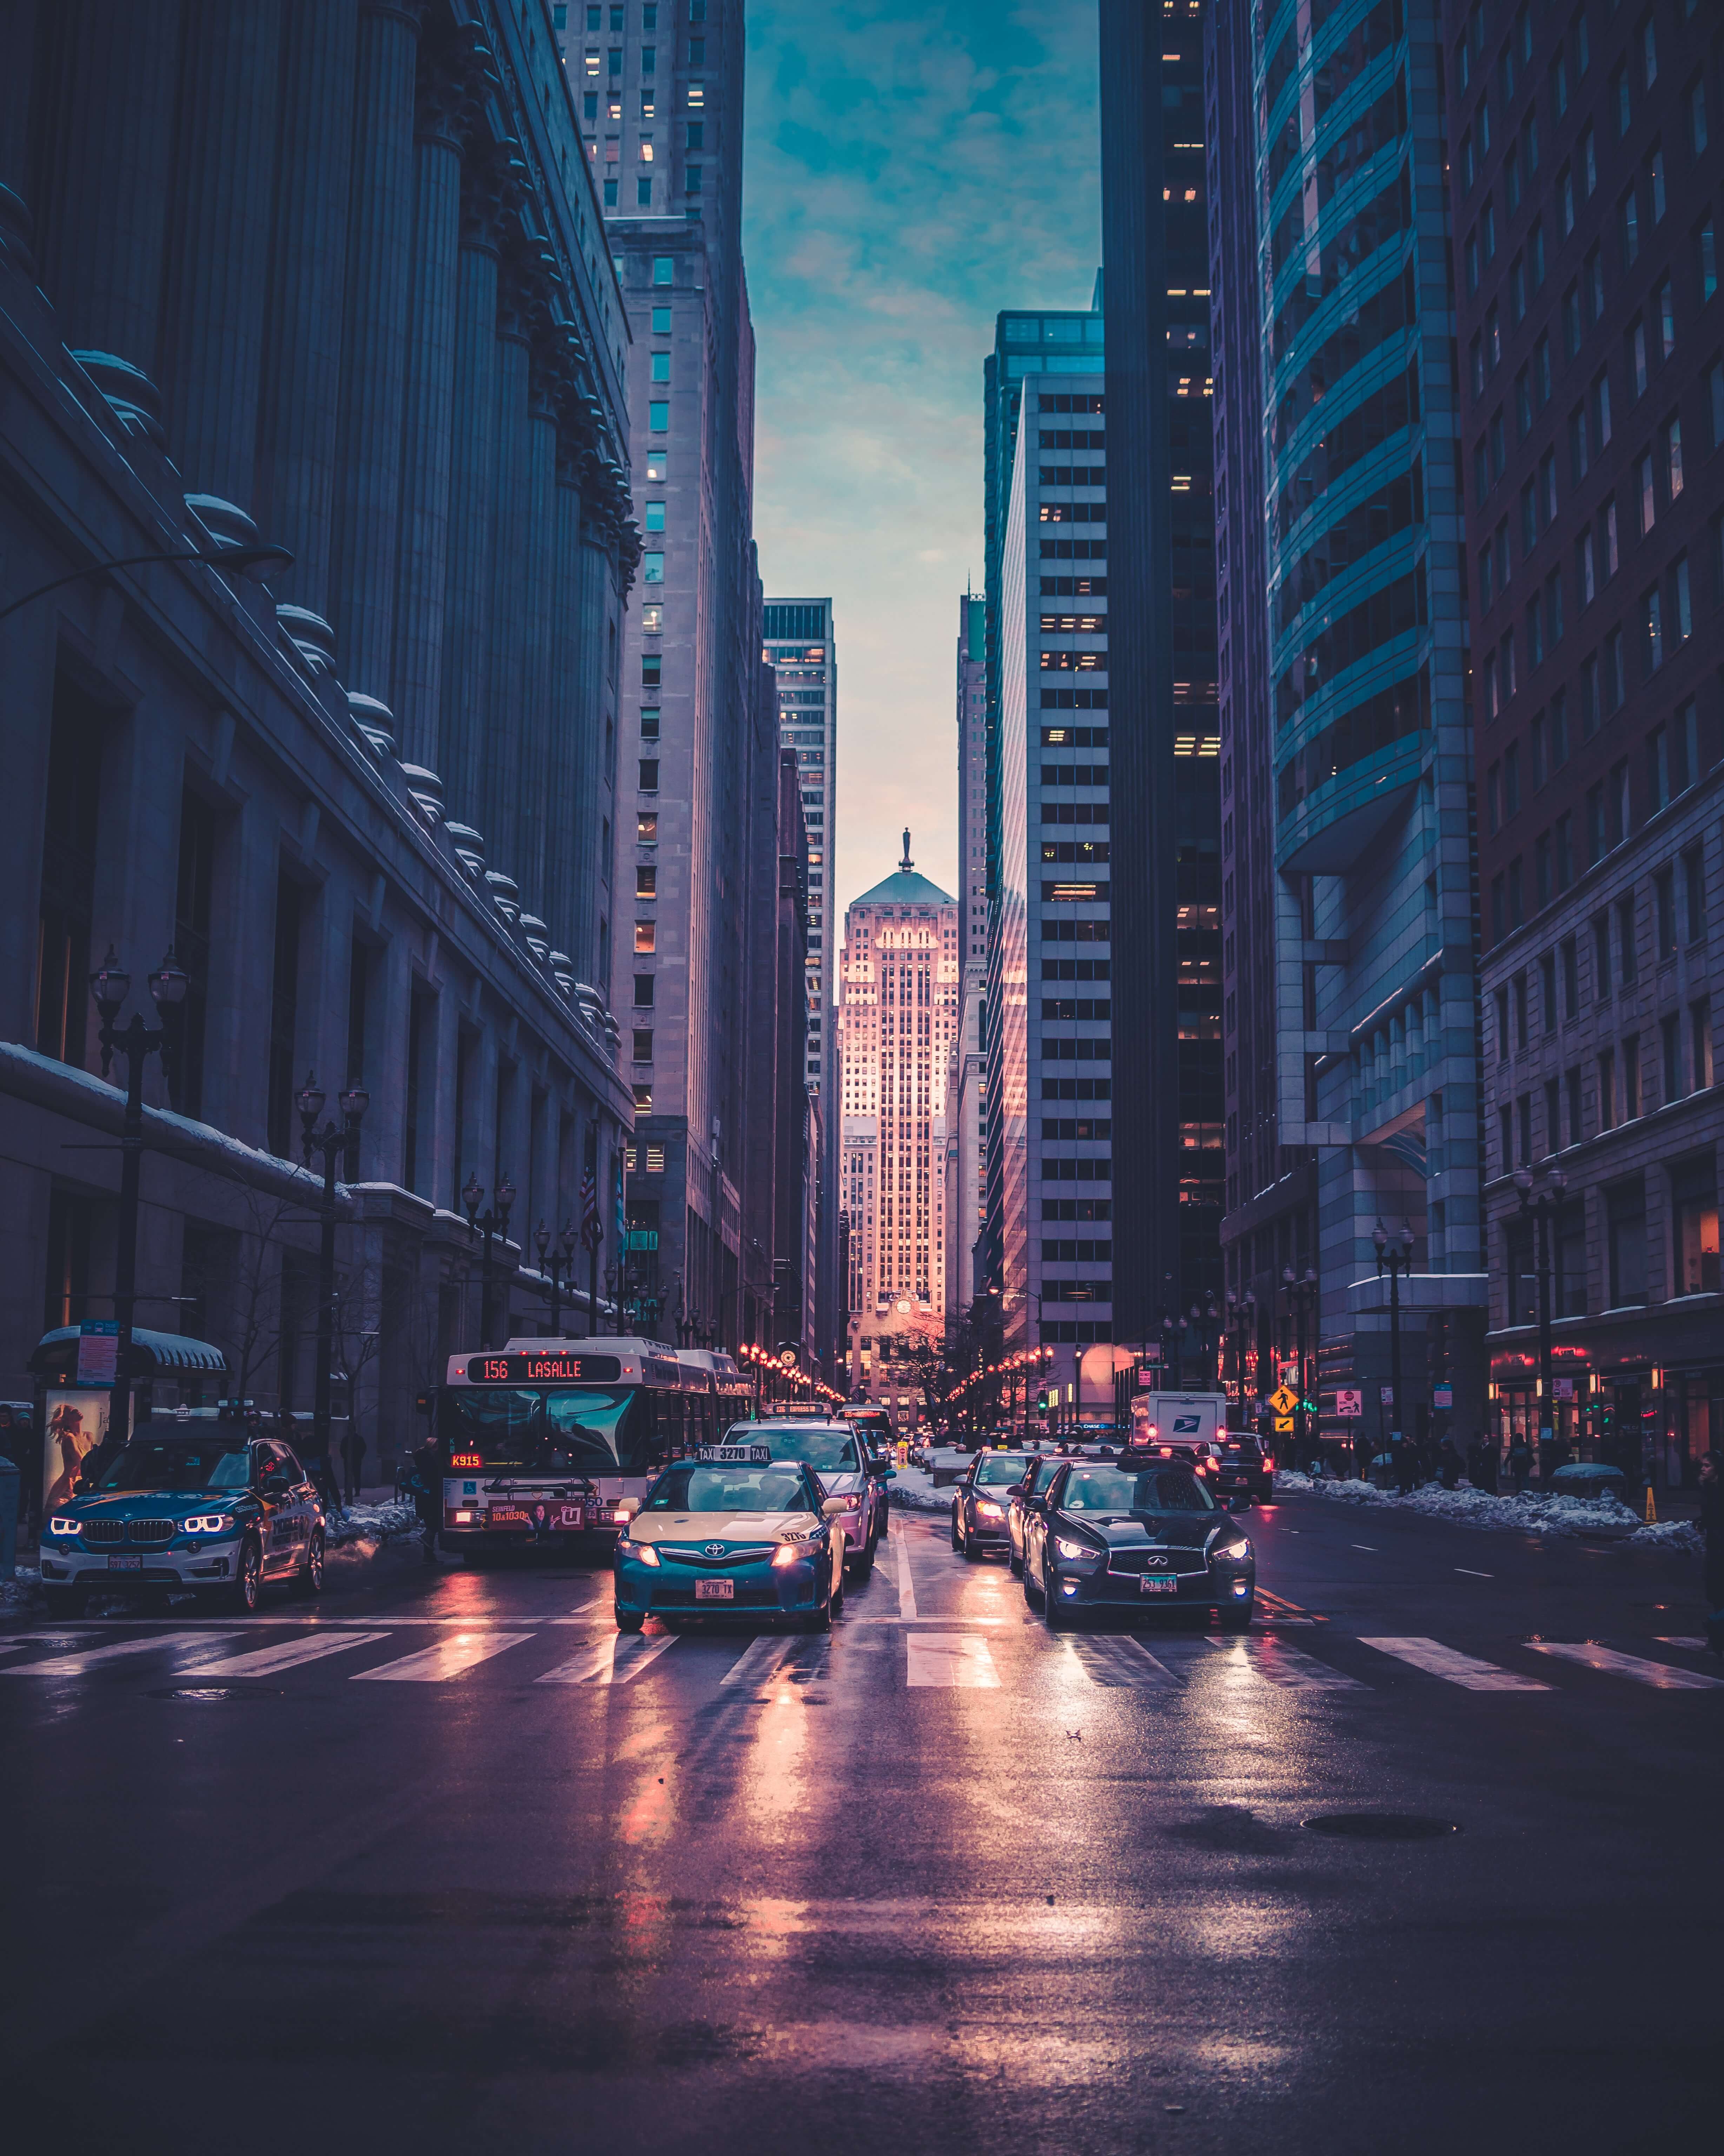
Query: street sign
point(1562, 1388)
point(98, 1350)
point(1349, 1403)
point(1441, 1396)
point(1386, 1394)
point(1284, 1425)
point(1282, 1401)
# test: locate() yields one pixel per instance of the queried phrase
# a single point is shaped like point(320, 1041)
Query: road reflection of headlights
point(1075, 1552)
point(642, 1552)
point(986, 1509)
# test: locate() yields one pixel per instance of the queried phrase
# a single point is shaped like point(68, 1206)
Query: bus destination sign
point(556, 1367)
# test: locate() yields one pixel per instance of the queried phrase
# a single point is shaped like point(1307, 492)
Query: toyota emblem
point(712, 1549)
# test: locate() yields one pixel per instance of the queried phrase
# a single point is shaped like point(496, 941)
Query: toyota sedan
point(728, 1539)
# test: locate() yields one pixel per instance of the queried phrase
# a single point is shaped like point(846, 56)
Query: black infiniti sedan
point(1142, 1537)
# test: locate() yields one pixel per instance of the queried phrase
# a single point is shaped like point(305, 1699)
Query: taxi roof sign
point(745, 1455)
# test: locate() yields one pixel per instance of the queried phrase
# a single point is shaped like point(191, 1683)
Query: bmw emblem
point(712, 1549)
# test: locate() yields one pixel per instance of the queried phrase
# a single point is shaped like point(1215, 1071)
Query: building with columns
point(898, 1014)
point(334, 274)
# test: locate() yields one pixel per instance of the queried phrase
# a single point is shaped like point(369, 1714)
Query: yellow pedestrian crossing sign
point(1282, 1401)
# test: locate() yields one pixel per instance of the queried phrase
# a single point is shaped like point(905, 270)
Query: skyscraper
point(1168, 1156)
point(966, 1083)
point(898, 1012)
point(1049, 1078)
point(1362, 741)
point(661, 109)
point(1587, 161)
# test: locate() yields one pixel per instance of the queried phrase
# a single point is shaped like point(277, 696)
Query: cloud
point(909, 171)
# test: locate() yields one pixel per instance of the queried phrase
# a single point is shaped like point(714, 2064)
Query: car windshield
point(731, 1490)
point(1045, 1470)
point(813, 1444)
point(994, 1467)
point(1155, 1490)
point(178, 1466)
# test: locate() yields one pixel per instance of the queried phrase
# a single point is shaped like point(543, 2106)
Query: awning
point(153, 1353)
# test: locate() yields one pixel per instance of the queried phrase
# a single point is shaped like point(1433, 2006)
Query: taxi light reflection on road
point(787, 1553)
point(60, 1526)
point(208, 1523)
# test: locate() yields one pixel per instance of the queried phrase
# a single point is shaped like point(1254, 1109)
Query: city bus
point(870, 1422)
point(540, 1441)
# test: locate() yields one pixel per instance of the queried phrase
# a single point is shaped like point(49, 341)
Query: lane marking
point(1456, 1668)
point(962, 1661)
point(1284, 1665)
point(1682, 1639)
point(1371, 1546)
point(1471, 1574)
point(1662, 1677)
point(448, 1658)
point(72, 1665)
point(906, 1582)
point(287, 1655)
point(760, 1661)
point(1118, 1664)
point(617, 1660)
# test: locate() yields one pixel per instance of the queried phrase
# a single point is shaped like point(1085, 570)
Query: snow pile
point(1671, 1535)
point(1530, 1515)
point(15, 1592)
point(381, 1523)
point(913, 1487)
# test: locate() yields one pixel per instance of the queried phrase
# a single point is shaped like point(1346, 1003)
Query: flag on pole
point(591, 1233)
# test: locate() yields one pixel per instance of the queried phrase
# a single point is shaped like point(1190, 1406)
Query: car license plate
point(125, 1564)
point(1155, 1583)
point(715, 1591)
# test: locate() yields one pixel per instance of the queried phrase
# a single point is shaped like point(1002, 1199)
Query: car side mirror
point(832, 1509)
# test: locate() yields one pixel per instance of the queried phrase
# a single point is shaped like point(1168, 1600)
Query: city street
point(447, 1863)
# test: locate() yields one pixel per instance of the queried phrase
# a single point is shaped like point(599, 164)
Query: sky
point(907, 173)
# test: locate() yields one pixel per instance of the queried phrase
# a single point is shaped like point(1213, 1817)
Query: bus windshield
point(593, 1431)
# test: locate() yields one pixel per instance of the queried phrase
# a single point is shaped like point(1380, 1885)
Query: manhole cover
point(203, 1694)
point(1382, 1826)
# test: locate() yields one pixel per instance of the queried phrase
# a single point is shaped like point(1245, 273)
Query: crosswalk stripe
point(1120, 1663)
point(617, 1660)
point(448, 1658)
point(265, 1661)
point(1682, 1639)
point(759, 1661)
point(961, 1659)
point(1284, 1665)
point(72, 1665)
point(1662, 1677)
point(1456, 1668)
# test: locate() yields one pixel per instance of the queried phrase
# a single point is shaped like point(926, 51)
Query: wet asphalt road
point(459, 1872)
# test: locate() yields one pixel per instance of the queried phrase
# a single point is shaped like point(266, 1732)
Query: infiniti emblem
point(712, 1549)
point(1156, 1557)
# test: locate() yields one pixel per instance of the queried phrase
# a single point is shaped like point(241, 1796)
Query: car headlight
point(642, 1552)
point(1234, 1553)
point(986, 1509)
point(1076, 1551)
point(208, 1523)
point(788, 1553)
point(60, 1525)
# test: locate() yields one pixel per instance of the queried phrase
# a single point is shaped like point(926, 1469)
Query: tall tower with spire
point(899, 979)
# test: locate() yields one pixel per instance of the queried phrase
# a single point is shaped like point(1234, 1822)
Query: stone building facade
point(333, 273)
point(1587, 161)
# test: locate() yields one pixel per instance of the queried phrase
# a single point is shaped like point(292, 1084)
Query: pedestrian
point(428, 1494)
point(1711, 1526)
point(352, 1455)
point(1448, 1465)
point(1361, 1454)
point(1520, 1463)
point(1401, 1452)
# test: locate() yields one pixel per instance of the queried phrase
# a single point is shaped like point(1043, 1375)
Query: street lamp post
point(557, 1260)
point(1394, 1254)
point(252, 562)
point(336, 1142)
point(493, 1221)
point(109, 985)
point(1541, 1203)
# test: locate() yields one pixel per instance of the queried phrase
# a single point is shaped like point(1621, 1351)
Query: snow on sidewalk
point(1530, 1515)
point(393, 1518)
